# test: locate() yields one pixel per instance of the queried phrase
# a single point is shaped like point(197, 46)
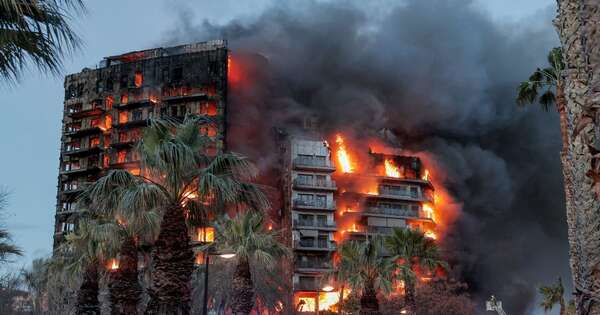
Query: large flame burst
point(342, 155)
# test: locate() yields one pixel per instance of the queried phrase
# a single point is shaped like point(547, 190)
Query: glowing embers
point(342, 155)
point(205, 234)
point(391, 170)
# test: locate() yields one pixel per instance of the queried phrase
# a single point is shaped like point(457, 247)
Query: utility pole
point(494, 305)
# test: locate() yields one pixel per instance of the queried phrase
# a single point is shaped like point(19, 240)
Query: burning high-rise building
point(332, 196)
point(106, 109)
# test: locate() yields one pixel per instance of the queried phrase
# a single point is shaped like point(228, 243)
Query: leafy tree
point(245, 236)
point(412, 250)
point(36, 31)
point(367, 271)
point(35, 279)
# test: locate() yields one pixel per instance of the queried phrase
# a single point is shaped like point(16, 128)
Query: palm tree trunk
point(87, 296)
point(409, 298)
point(369, 305)
point(125, 289)
point(562, 306)
point(242, 289)
point(172, 266)
point(578, 25)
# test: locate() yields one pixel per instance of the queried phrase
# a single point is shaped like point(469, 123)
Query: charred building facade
point(329, 201)
point(106, 110)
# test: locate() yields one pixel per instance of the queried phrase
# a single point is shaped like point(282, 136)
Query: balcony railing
point(317, 224)
point(392, 211)
point(306, 285)
point(329, 184)
point(302, 203)
point(306, 162)
point(325, 264)
point(315, 245)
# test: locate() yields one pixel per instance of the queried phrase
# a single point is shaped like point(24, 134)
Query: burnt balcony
point(314, 184)
point(316, 245)
point(313, 205)
point(81, 131)
point(314, 164)
point(79, 151)
point(403, 195)
point(90, 168)
point(315, 225)
point(78, 113)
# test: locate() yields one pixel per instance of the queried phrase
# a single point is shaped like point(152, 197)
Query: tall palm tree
point(577, 26)
point(84, 252)
point(367, 271)
point(546, 86)
point(552, 295)
point(38, 31)
point(130, 227)
point(184, 184)
point(411, 249)
point(246, 236)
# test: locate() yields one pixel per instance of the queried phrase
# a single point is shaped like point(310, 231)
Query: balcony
point(314, 185)
point(313, 266)
point(399, 195)
point(313, 205)
point(82, 131)
point(315, 225)
point(81, 169)
point(316, 245)
point(392, 212)
point(80, 113)
point(313, 164)
point(81, 151)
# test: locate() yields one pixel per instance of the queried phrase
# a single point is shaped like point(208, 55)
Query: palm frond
point(36, 31)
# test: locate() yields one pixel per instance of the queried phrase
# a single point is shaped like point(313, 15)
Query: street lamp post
point(206, 263)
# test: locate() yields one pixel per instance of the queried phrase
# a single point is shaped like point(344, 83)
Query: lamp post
point(206, 262)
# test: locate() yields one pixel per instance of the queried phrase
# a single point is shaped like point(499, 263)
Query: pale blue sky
point(32, 110)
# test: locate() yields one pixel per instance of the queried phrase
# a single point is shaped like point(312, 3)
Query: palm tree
point(84, 253)
point(129, 226)
point(546, 86)
point(367, 271)
point(36, 281)
point(184, 184)
point(552, 295)
point(7, 247)
point(38, 31)
point(411, 249)
point(245, 236)
point(577, 27)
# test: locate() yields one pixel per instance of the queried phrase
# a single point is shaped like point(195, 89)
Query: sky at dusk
point(30, 122)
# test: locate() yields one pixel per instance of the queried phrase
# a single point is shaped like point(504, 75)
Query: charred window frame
point(109, 85)
point(123, 82)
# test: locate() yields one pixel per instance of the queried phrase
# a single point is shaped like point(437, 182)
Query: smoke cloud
point(442, 76)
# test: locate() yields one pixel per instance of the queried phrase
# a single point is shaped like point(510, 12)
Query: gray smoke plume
point(440, 75)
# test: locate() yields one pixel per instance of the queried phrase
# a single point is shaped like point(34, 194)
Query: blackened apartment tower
point(106, 109)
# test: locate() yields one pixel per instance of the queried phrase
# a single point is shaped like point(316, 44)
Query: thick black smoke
point(443, 77)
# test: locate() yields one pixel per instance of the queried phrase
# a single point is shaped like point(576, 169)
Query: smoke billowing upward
point(442, 76)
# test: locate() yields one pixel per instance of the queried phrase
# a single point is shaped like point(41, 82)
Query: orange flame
point(431, 235)
point(425, 175)
point(113, 264)
point(391, 170)
point(428, 211)
point(342, 155)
